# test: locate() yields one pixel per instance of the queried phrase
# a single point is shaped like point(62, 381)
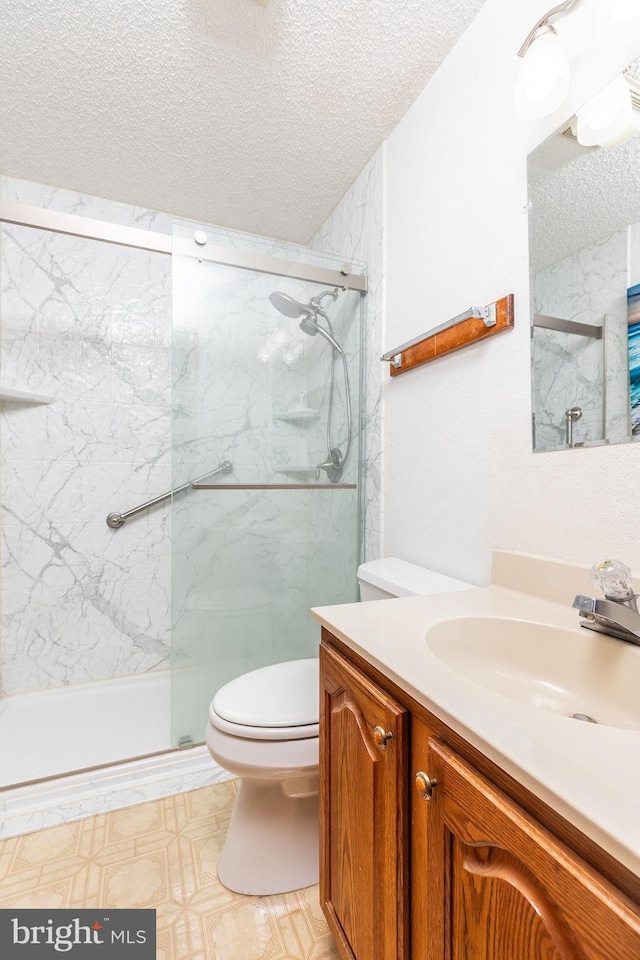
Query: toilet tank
point(391, 577)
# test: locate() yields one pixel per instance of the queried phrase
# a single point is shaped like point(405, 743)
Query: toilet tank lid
point(280, 695)
point(403, 579)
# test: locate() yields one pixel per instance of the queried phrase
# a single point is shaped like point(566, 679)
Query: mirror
point(584, 256)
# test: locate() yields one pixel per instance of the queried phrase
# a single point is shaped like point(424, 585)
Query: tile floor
point(163, 854)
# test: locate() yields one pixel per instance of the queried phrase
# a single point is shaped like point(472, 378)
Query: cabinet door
point(363, 813)
point(511, 891)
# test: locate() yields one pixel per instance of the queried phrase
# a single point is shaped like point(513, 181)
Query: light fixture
point(608, 119)
point(543, 82)
point(617, 21)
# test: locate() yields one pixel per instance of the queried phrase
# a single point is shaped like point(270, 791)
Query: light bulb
point(617, 21)
point(543, 82)
point(608, 119)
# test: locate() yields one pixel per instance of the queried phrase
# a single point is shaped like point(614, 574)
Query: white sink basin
point(562, 671)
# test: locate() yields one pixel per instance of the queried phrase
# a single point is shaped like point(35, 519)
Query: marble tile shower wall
point(88, 323)
point(569, 370)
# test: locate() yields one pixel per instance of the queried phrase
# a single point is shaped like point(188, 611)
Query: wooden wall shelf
point(470, 327)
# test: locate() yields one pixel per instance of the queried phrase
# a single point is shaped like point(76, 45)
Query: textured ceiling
point(228, 111)
point(580, 195)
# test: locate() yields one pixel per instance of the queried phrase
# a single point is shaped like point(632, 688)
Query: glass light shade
point(609, 118)
point(617, 21)
point(543, 82)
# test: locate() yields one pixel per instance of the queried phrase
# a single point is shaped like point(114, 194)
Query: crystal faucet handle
point(613, 578)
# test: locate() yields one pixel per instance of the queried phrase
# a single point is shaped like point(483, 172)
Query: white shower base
point(51, 733)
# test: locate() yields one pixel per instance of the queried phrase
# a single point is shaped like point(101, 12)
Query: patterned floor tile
point(163, 854)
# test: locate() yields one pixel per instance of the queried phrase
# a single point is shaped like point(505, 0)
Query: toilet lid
point(280, 695)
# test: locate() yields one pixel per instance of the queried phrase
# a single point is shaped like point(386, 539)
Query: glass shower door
point(267, 534)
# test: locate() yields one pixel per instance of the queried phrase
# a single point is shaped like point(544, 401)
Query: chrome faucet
point(617, 615)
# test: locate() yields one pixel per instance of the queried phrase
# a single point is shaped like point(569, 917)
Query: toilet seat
point(263, 733)
point(277, 702)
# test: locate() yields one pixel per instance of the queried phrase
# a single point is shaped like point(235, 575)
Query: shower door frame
point(74, 225)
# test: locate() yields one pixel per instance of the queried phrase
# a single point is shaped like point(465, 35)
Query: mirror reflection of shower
point(310, 314)
point(571, 415)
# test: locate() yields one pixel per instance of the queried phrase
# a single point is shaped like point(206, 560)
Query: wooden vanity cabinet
point(474, 875)
point(507, 888)
point(364, 813)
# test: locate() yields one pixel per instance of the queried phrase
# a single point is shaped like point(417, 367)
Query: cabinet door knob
point(381, 736)
point(425, 785)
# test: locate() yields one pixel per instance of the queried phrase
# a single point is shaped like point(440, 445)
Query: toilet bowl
point(263, 727)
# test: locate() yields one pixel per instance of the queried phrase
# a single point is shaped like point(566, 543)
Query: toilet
point(263, 727)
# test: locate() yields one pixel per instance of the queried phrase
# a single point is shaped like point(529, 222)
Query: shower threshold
point(34, 806)
point(72, 752)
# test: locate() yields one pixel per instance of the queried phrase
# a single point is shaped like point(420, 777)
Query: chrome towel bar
point(116, 520)
point(488, 314)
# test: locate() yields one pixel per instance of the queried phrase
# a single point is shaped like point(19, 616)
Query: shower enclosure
point(139, 356)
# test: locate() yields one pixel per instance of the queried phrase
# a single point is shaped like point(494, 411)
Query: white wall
point(460, 475)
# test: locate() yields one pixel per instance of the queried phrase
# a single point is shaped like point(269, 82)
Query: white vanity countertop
point(588, 773)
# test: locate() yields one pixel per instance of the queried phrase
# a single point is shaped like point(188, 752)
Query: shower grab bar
point(117, 520)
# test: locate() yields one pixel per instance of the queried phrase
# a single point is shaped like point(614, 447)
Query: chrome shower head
point(308, 311)
point(309, 315)
point(309, 325)
point(292, 308)
point(287, 305)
